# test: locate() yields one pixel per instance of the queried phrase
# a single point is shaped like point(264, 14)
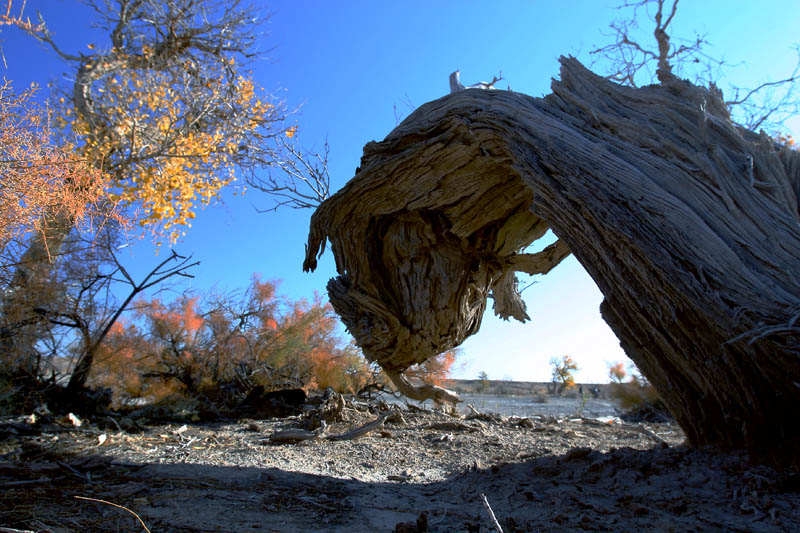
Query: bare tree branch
point(303, 180)
point(632, 62)
point(92, 342)
point(764, 106)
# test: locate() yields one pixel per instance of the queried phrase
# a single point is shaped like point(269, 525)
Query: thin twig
point(139, 518)
point(115, 423)
point(80, 476)
point(493, 518)
point(23, 482)
point(644, 431)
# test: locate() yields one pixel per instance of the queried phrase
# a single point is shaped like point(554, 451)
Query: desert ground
point(410, 470)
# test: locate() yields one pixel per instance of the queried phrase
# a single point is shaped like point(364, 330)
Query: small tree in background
point(616, 372)
point(564, 368)
point(483, 381)
point(787, 141)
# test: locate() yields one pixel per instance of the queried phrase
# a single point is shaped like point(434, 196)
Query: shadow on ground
point(662, 489)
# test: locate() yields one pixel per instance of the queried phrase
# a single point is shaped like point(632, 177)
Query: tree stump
point(688, 224)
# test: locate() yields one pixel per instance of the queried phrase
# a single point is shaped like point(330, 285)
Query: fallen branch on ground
point(638, 429)
point(294, 435)
point(139, 518)
point(363, 430)
point(492, 518)
point(298, 435)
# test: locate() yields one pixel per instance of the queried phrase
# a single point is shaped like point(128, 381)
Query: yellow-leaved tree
point(167, 111)
point(563, 371)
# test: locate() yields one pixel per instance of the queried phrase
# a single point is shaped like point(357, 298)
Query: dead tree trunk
point(688, 224)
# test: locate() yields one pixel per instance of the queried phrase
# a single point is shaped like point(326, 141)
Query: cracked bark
point(688, 224)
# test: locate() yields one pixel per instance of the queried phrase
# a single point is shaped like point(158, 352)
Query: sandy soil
point(422, 471)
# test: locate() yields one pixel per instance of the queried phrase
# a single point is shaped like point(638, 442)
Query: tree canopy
point(168, 109)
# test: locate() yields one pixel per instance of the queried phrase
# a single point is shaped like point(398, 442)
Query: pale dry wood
point(508, 302)
point(425, 391)
point(297, 435)
point(492, 518)
point(688, 224)
point(293, 435)
point(364, 429)
point(632, 427)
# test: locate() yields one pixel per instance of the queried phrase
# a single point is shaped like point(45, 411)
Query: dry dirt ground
point(421, 471)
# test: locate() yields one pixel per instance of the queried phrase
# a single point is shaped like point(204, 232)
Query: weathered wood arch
point(688, 224)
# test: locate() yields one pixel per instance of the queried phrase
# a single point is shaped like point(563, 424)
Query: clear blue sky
point(350, 64)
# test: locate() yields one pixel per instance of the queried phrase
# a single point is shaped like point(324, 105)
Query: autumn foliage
point(41, 181)
point(165, 106)
point(616, 372)
point(633, 393)
point(219, 347)
point(786, 141)
point(168, 156)
point(564, 368)
point(435, 370)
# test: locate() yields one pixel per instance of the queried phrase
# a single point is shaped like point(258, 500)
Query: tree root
point(422, 392)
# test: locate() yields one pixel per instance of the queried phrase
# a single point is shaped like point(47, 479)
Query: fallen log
point(687, 222)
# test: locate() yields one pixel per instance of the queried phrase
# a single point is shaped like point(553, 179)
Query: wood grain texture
point(688, 224)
